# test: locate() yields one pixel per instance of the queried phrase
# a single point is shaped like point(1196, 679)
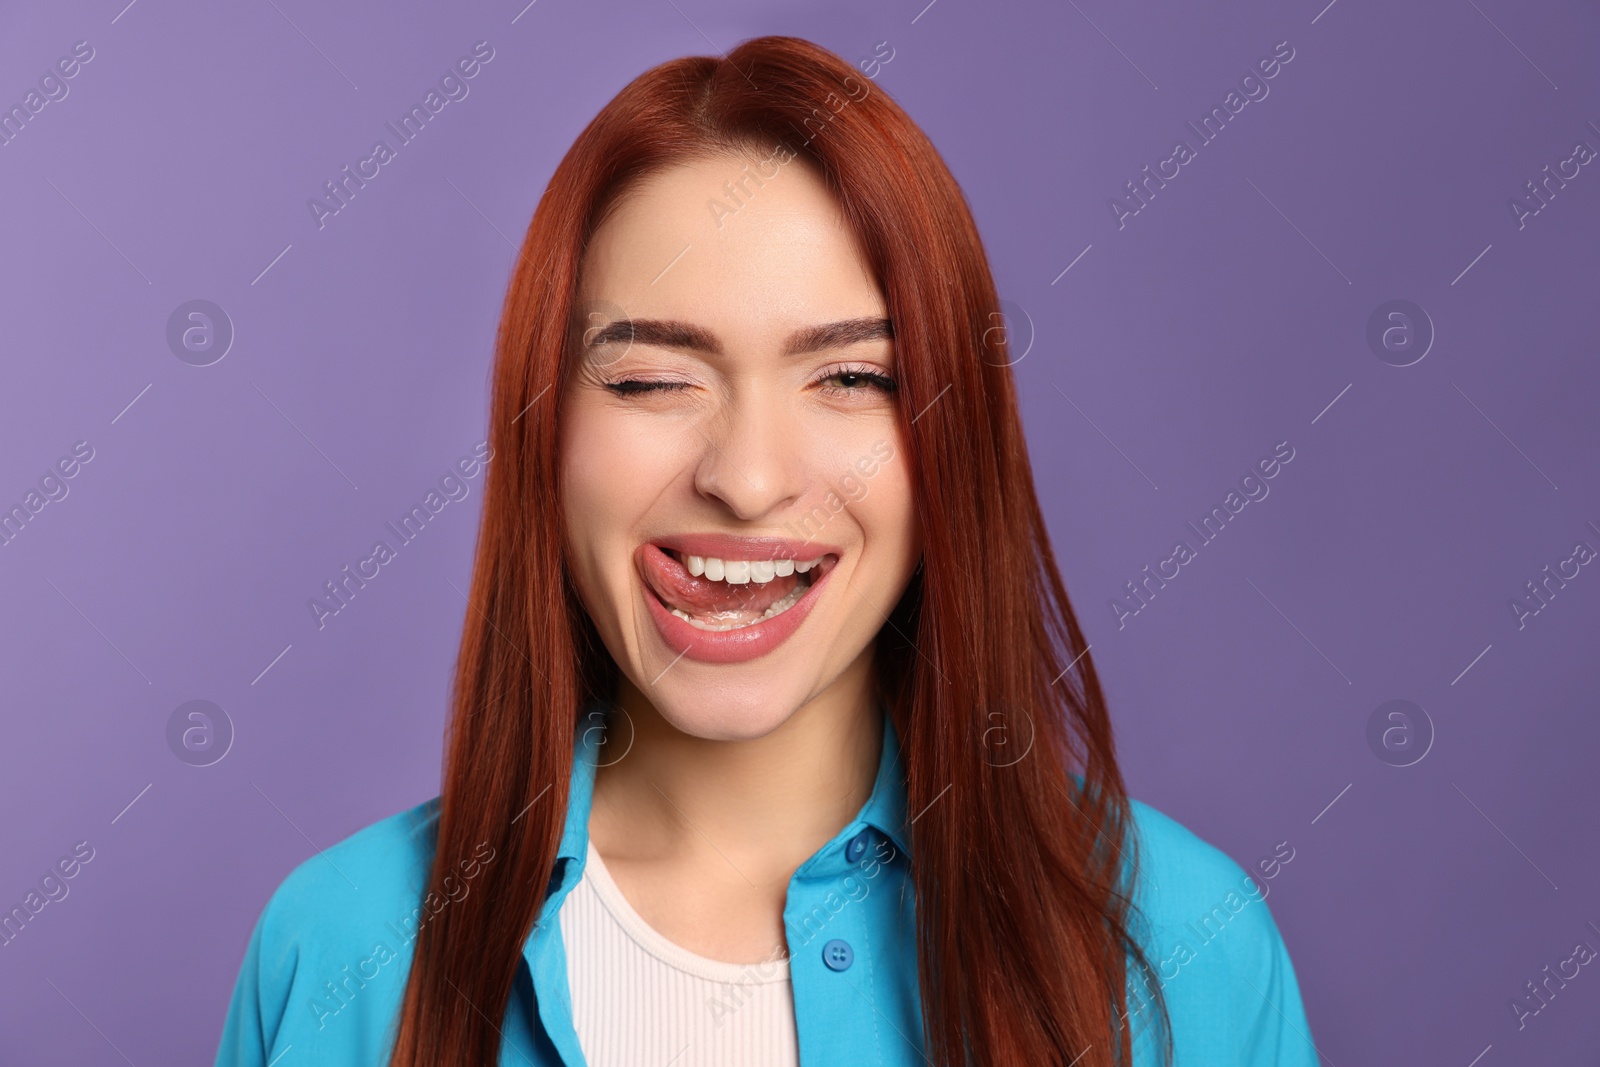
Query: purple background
point(1211, 326)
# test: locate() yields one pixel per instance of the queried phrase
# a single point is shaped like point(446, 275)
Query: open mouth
point(717, 595)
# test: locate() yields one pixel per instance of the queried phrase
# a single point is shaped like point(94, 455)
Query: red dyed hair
point(1023, 914)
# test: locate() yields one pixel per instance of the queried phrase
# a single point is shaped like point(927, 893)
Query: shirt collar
point(884, 810)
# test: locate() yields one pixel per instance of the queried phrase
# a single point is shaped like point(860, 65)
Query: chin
point(733, 714)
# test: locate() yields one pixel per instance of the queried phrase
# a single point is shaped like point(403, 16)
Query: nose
point(751, 458)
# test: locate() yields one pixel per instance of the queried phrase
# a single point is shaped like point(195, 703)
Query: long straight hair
point(1022, 870)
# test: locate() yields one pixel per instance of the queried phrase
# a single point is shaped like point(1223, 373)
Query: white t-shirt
point(638, 998)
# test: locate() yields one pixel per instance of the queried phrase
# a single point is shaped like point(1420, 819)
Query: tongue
point(709, 600)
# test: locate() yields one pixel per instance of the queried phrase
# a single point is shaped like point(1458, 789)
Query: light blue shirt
point(326, 966)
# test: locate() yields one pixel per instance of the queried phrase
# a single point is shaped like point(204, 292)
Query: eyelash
point(629, 387)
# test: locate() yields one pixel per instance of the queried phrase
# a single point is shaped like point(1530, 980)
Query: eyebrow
point(669, 333)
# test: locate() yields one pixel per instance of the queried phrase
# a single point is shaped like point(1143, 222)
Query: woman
point(775, 739)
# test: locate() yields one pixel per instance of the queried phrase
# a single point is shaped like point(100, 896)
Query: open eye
point(856, 378)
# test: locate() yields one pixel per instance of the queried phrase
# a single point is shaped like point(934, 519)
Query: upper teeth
point(740, 571)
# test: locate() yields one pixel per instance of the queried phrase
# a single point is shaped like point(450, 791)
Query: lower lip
point(732, 646)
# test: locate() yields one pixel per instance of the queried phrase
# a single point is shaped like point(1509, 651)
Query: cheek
point(888, 518)
point(612, 468)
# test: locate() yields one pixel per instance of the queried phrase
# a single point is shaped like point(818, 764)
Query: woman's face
point(739, 514)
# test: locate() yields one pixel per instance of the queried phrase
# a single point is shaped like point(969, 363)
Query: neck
point(766, 803)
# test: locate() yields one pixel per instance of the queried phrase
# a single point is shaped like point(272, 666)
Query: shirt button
point(838, 955)
point(856, 847)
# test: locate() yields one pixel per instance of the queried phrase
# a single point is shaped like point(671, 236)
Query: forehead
point(737, 242)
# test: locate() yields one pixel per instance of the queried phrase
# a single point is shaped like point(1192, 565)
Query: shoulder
point(1214, 949)
point(1178, 867)
point(384, 863)
point(327, 961)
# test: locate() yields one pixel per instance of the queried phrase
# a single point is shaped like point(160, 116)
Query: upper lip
point(730, 546)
